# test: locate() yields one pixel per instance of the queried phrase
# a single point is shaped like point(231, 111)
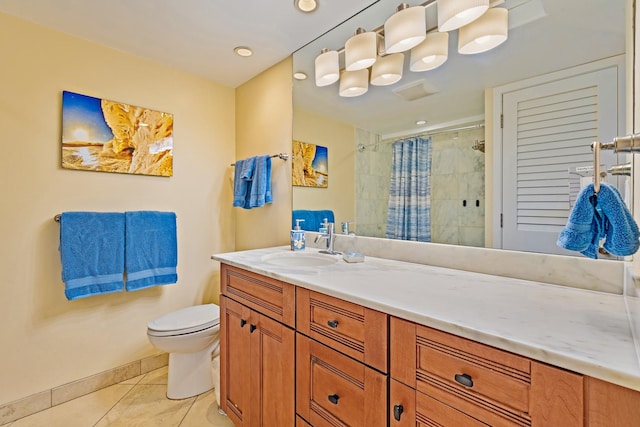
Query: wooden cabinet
point(459, 382)
point(335, 390)
point(342, 362)
point(257, 352)
point(291, 357)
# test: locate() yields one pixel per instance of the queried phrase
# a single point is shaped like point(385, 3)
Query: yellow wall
point(45, 340)
point(263, 126)
point(339, 139)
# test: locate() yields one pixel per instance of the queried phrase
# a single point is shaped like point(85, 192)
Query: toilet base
point(189, 374)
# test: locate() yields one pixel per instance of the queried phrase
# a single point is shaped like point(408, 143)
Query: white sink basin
point(299, 259)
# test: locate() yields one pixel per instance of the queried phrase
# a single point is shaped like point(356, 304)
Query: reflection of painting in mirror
point(310, 165)
point(108, 136)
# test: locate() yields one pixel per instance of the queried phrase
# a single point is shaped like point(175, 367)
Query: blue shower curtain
point(409, 214)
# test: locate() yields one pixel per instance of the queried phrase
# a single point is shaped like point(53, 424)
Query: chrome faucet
point(330, 236)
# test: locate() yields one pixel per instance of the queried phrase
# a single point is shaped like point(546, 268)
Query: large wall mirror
point(509, 129)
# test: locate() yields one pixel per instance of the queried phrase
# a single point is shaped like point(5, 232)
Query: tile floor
point(140, 401)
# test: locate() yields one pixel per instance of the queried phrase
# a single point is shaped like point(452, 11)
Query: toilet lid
point(187, 319)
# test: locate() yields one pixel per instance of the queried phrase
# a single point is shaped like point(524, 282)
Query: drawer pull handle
point(242, 323)
point(397, 411)
point(333, 398)
point(464, 379)
point(333, 323)
point(252, 328)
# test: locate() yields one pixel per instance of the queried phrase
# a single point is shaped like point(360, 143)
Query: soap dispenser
point(297, 237)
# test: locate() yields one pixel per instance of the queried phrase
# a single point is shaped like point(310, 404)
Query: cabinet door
point(272, 373)
point(235, 359)
point(610, 405)
point(257, 368)
point(334, 390)
point(556, 397)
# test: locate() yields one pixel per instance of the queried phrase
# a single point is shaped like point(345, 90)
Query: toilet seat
point(185, 321)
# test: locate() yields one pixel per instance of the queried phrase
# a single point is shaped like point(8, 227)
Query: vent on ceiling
point(415, 90)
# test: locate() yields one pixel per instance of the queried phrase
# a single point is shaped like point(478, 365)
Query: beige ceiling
point(197, 36)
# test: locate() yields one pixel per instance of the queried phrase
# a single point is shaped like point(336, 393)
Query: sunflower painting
point(108, 136)
point(310, 165)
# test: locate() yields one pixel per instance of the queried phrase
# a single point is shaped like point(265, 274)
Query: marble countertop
point(584, 331)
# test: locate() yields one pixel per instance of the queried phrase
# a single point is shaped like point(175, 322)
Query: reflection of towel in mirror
point(596, 217)
point(243, 176)
point(260, 192)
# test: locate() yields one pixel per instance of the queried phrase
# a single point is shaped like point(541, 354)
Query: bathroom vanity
point(310, 340)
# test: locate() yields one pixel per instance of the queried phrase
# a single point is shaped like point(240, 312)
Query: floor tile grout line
point(188, 410)
point(118, 401)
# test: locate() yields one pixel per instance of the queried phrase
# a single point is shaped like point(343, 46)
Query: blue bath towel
point(261, 186)
point(597, 217)
point(151, 253)
point(242, 179)
point(92, 253)
point(312, 218)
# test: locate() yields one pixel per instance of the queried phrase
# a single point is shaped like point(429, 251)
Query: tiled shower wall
point(373, 170)
point(457, 189)
point(457, 175)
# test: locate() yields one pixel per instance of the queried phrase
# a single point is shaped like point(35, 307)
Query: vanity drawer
point(335, 390)
point(354, 330)
point(490, 384)
point(265, 295)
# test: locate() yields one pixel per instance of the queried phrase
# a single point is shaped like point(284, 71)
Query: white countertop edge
point(543, 354)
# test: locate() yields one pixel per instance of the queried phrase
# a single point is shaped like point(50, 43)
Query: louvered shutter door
point(547, 132)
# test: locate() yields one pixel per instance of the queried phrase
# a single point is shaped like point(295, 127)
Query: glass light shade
point(453, 14)
point(387, 70)
point(354, 83)
point(431, 53)
point(405, 29)
point(327, 68)
point(306, 5)
point(485, 33)
point(361, 50)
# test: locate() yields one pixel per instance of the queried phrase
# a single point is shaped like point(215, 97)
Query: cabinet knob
point(397, 411)
point(333, 398)
point(464, 379)
point(242, 323)
point(252, 328)
point(333, 323)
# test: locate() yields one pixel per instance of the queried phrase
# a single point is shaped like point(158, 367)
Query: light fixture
point(243, 51)
point(431, 53)
point(299, 75)
point(306, 5)
point(354, 83)
point(387, 70)
point(421, 122)
point(453, 14)
point(405, 28)
point(327, 68)
point(485, 33)
point(361, 50)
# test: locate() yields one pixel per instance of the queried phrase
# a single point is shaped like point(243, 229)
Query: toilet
point(191, 337)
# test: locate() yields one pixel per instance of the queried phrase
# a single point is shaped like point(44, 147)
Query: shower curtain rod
point(437, 132)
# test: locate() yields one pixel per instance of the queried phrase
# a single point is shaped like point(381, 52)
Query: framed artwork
point(108, 136)
point(310, 165)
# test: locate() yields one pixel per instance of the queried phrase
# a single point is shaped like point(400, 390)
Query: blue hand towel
point(581, 233)
point(620, 229)
point(597, 217)
point(312, 219)
point(261, 186)
point(92, 253)
point(242, 178)
point(151, 253)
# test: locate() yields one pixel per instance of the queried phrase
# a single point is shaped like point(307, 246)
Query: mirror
point(458, 102)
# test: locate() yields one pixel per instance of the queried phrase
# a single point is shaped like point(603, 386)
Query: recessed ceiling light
point(243, 51)
point(306, 5)
point(421, 122)
point(299, 75)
